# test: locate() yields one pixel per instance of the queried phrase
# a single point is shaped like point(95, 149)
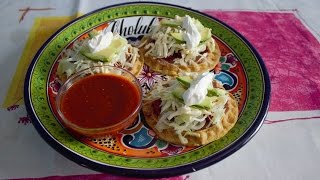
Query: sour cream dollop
point(192, 35)
point(198, 89)
point(100, 41)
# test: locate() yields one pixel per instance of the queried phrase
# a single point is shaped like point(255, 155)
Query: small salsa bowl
point(99, 100)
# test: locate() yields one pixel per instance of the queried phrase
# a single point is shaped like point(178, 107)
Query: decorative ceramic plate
point(136, 151)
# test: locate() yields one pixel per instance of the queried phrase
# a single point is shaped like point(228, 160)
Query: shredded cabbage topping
point(73, 61)
point(182, 118)
point(162, 44)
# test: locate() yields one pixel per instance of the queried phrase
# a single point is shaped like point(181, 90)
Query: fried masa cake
point(101, 48)
point(180, 45)
point(208, 120)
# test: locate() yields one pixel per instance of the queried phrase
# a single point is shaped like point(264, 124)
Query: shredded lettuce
point(163, 45)
point(73, 61)
point(66, 67)
point(182, 118)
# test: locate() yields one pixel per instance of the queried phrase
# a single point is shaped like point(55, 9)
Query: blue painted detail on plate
point(139, 140)
point(224, 78)
point(147, 173)
point(228, 79)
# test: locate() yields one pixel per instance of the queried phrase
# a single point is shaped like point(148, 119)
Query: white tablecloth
point(286, 151)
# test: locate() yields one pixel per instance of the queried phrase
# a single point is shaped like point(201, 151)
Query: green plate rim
point(175, 165)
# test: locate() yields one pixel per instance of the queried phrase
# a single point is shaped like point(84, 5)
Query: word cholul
point(138, 28)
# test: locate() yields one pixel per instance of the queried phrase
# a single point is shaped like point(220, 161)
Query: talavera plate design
point(136, 151)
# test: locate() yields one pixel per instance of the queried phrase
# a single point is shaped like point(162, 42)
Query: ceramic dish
point(136, 151)
point(93, 114)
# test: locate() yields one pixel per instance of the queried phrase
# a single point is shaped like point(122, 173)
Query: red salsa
point(100, 100)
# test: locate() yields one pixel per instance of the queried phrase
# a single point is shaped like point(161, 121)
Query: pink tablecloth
point(290, 52)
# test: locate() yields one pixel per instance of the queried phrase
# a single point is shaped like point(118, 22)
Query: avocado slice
point(94, 56)
point(178, 93)
point(107, 54)
point(198, 24)
point(177, 36)
point(205, 104)
point(205, 34)
point(215, 92)
point(170, 22)
point(185, 83)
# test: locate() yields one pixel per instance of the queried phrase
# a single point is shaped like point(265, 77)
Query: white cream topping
point(186, 119)
point(100, 41)
point(192, 35)
point(198, 89)
point(74, 61)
